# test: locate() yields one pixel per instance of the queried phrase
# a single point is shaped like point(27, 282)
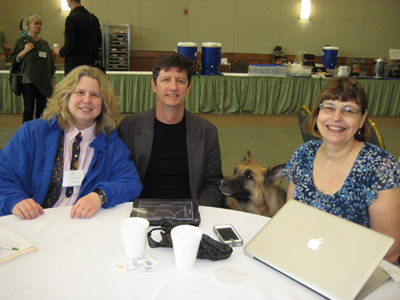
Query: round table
point(77, 259)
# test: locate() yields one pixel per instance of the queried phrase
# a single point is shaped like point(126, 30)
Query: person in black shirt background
point(82, 38)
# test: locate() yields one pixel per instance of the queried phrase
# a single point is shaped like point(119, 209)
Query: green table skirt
point(230, 94)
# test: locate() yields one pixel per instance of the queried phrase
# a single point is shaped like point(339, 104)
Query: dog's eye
point(248, 175)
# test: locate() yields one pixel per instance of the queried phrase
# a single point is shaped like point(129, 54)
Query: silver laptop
point(330, 255)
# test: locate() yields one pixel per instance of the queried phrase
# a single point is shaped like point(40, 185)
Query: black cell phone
point(227, 234)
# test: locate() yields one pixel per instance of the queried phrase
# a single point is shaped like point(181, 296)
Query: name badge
point(43, 54)
point(73, 178)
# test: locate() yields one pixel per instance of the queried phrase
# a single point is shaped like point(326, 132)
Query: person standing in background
point(35, 58)
point(3, 45)
point(82, 38)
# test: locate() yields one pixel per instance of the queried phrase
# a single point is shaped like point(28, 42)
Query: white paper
point(73, 178)
point(392, 270)
point(394, 54)
point(42, 54)
point(11, 240)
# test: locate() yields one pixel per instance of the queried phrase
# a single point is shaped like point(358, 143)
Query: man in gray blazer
point(176, 153)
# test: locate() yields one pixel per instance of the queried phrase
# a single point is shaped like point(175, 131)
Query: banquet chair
point(375, 136)
point(302, 115)
point(239, 66)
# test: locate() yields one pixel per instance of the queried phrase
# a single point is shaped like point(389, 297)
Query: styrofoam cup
point(185, 240)
point(134, 236)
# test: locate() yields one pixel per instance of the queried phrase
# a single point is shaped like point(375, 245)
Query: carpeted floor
point(272, 139)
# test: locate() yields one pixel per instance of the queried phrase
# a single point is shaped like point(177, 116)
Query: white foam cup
point(134, 236)
point(56, 45)
point(185, 240)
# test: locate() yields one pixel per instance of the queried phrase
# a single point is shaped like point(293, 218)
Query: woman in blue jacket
point(75, 143)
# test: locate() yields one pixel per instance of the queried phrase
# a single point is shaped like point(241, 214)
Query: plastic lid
point(211, 45)
point(331, 48)
point(187, 44)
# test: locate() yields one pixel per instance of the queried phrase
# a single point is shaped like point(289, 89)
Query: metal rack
point(116, 47)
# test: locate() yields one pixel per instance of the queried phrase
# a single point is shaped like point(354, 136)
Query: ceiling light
point(305, 9)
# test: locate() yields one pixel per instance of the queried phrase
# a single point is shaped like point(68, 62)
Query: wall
point(360, 28)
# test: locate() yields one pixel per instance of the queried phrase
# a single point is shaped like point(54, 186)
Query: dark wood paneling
point(144, 60)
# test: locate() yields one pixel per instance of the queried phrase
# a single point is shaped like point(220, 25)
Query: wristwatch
point(102, 195)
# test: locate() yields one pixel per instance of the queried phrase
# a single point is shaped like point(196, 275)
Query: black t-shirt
point(167, 175)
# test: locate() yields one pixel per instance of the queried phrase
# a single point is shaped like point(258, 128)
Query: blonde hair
point(28, 19)
point(57, 105)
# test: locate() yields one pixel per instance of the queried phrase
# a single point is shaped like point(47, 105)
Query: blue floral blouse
point(373, 170)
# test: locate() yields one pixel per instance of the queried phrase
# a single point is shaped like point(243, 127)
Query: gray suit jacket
point(204, 155)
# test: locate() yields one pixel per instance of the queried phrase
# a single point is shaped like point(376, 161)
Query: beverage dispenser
point(210, 58)
point(188, 50)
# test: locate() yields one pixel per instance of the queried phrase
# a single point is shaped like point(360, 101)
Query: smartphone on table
point(227, 234)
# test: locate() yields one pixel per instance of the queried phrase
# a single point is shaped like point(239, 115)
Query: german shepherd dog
point(253, 188)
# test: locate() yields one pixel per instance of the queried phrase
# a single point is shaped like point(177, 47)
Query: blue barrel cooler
point(210, 58)
point(188, 50)
point(329, 56)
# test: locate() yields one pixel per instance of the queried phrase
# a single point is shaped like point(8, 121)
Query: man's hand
point(56, 50)
point(86, 207)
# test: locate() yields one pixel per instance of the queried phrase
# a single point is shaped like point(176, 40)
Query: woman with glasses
point(340, 172)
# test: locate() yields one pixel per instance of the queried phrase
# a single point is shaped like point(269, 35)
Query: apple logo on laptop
point(314, 244)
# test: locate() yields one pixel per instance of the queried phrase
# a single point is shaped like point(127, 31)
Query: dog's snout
point(222, 183)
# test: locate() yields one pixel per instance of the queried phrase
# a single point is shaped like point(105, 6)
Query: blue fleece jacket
point(27, 160)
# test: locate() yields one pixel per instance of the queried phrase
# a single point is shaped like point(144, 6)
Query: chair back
point(375, 136)
point(239, 66)
point(302, 115)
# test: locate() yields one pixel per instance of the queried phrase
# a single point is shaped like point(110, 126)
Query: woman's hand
point(28, 209)
point(28, 47)
point(86, 207)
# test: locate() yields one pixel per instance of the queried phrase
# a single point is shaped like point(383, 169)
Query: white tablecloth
point(77, 259)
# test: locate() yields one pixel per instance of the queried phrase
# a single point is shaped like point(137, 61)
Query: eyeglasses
point(344, 111)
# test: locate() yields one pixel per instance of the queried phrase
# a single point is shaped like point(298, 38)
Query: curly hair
point(342, 89)
point(57, 105)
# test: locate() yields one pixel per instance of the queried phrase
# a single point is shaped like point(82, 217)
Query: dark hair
point(342, 89)
point(173, 60)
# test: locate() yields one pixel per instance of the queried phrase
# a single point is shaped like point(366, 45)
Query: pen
point(9, 248)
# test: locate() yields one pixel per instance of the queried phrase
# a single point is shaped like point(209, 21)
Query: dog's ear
point(274, 174)
point(247, 156)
